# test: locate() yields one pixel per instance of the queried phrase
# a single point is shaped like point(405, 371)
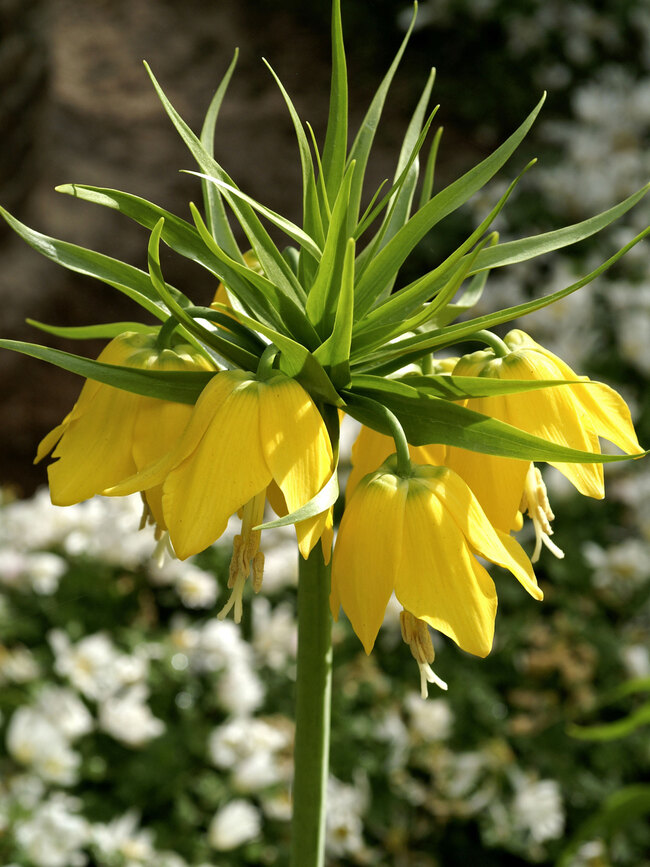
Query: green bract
point(332, 302)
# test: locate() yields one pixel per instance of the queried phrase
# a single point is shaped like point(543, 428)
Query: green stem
point(313, 695)
point(500, 348)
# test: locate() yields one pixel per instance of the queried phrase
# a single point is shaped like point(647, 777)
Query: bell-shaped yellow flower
point(371, 449)
point(110, 434)
point(572, 415)
point(419, 536)
point(243, 434)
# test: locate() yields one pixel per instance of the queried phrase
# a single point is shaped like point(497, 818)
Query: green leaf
point(429, 420)
point(231, 352)
point(512, 252)
point(311, 211)
point(179, 386)
point(408, 299)
point(125, 278)
point(89, 332)
point(387, 263)
point(430, 169)
point(268, 255)
point(259, 295)
point(215, 213)
point(323, 294)
point(454, 387)
point(325, 498)
point(407, 176)
point(362, 145)
point(278, 220)
point(618, 811)
point(296, 361)
point(470, 297)
point(177, 233)
point(334, 353)
point(336, 137)
point(412, 348)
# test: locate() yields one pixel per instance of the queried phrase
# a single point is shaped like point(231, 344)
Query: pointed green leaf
point(334, 354)
point(268, 255)
point(362, 145)
point(430, 170)
point(325, 498)
point(429, 420)
point(407, 168)
point(125, 278)
point(323, 294)
point(258, 294)
point(610, 731)
point(336, 137)
point(387, 263)
point(178, 234)
point(215, 213)
point(512, 252)
point(179, 386)
point(296, 361)
point(405, 301)
point(278, 220)
point(226, 349)
point(412, 348)
point(451, 387)
point(90, 332)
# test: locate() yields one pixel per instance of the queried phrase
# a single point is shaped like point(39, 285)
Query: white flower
point(94, 665)
point(65, 710)
point(236, 823)
point(44, 571)
point(128, 718)
point(636, 659)
point(239, 689)
point(275, 634)
point(122, 836)
point(220, 645)
point(431, 720)
point(392, 730)
point(344, 829)
point(196, 588)
point(621, 567)
point(257, 772)
point(17, 665)
point(32, 740)
point(537, 809)
point(54, 835)
point(241, 738)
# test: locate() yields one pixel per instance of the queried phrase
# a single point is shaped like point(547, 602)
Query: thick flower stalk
point(228, 406)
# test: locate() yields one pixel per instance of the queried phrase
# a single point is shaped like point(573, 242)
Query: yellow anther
point(535, 502)
point(245, 556)
point(415, 633)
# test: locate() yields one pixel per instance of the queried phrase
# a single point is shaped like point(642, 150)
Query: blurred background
point(138, 729)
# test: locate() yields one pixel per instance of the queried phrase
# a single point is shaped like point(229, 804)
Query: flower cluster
point(222, 409)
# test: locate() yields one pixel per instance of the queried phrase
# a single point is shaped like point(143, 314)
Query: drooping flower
point(572, 415)
point(243, 435)
point(371, 449)
point(111, 434)
point(418, 536)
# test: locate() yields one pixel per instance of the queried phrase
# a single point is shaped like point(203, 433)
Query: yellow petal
point(438, 580)
point(297, 450)
point(366, 554)
point(497, 483)
point(224, 471)
point(95, 449)
point(466, 512)
point(210, 399)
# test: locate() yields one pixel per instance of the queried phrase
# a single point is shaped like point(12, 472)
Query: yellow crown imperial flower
point(418, 536)
point(110, 434)
point(572, 415)
point(243, 435)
